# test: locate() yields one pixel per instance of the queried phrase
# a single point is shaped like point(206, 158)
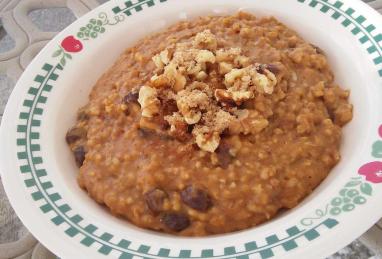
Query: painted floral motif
point(377, 146)
point(377, 149)
point(97, 26)
point(372, 171)
point(91, 30)
point(69, 45)
point(353, 194)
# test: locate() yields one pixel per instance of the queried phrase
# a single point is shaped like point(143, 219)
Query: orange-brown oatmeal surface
point(211, 126)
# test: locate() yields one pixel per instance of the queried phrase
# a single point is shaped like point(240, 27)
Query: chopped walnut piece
point(227, 55)
point(233, 75)
point(205, 40)
point(159, 81)
point(223, 97)
point(190, 103)
point(207, 137)
point(178, 126)
point(205, 88)
point(249, 79)
point(222, 120)
point(186, 61)
point(208, 142)
point(204, 56)
point(193, 68)
point(193, 117)
point(176, 80)
point(201, 75)
point(148, 101)
point(164, 56)
point(242, 61)
point(266, 81)
point(158, 62)
point(229, 97)
point(161, 59)
point(209, 108)
point(240, 96)
point(225, 67)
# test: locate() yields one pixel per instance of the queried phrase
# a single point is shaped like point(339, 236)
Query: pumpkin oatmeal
point(211, 126)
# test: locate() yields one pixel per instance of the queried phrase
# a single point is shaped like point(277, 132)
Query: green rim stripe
point(356, 21)
point(129, 6)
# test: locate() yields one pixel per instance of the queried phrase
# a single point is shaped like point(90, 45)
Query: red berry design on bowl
point(68, 45)
point(372, 171)
point(71, 44)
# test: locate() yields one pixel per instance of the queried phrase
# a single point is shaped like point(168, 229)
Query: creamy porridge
point(211, 126)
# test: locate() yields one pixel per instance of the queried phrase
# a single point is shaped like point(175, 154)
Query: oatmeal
point(211, 126)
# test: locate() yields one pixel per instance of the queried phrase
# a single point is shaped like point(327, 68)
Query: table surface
point(50, 18)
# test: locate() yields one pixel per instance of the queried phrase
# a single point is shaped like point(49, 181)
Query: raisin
point(196, 198)
point(79, 155)
point(227, 104)
point(75, 134)
point(161, 122)
point(190, 128)
point(273, 68)
point(181, 132)
point(261, 68)
point(224, 157)
point(146, 133)
point(130, 97)
point(82, 116)
point(175, 221)
point(169, 107)
point(154, 200)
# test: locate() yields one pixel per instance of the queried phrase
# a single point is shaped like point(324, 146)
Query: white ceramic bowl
point(39, 174)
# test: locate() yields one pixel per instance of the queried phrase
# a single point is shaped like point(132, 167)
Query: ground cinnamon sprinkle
point(208, 108)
